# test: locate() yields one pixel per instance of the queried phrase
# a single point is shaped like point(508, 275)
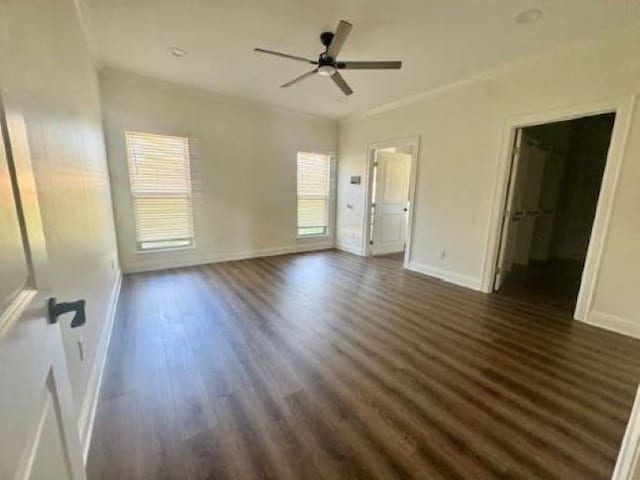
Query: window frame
point(161, 248)
point(330, 197)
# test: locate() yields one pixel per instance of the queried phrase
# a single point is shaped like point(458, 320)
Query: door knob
point(517, 215)
point(56, 309)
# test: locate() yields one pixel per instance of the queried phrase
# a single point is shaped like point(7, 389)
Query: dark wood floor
point(554, 283)
point(327, 365)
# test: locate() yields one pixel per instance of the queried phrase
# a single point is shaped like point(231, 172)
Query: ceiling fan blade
point(369, 65)
point(298, 79)
point(339, 80)
point(285, 55)
point(342, 32)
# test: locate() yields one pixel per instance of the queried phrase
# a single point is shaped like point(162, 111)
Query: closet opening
point(556, 177)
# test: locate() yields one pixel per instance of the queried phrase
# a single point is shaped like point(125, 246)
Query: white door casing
point(39, 438)
point(390, 203)
point(628, 462)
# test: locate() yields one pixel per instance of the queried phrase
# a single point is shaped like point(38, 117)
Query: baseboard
point(446, 275)
point(158, 261)
point(349, 249)
point(628, 462)
point(613, 323)
point(90, 401)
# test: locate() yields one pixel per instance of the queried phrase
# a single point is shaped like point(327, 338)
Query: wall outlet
point(442, 254)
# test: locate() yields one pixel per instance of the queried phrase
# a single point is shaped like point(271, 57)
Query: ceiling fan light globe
point(326, 70)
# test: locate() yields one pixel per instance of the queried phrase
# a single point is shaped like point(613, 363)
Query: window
point(160, 178)
point(314, 183)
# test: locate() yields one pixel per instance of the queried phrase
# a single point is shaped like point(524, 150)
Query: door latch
point(56, 309)
point(517, 215)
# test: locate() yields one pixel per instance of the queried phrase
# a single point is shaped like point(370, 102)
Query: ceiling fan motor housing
point(325, 59)
point(326, 38)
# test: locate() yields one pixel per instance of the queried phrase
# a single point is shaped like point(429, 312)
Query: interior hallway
point(230, 371)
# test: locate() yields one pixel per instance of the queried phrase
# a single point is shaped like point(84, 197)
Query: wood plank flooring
point(327, 366)
point(554, 283)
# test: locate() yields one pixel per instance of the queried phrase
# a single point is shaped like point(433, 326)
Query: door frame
point(413, 141)
point(628, 461)
point(623, 108)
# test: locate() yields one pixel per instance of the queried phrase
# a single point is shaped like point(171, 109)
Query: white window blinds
point(314, 185)
point(160, 178)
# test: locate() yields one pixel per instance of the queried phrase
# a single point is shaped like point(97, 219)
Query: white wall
point(461, 129)
point(244, 170)
point(47, 72)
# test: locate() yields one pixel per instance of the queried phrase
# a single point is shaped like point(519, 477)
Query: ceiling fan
point(328, 64)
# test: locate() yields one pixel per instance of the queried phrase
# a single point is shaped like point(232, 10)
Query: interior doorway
point(556, 177)
point(389, 199)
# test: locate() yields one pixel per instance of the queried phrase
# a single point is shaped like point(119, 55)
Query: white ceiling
point(439, 42)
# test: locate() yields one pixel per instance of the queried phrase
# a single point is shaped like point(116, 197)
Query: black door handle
point(56, 309)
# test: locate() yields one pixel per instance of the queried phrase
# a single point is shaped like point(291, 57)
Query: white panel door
point(523, 207)
point(390, 202)
point(38, 432)
point(510, 219)
point(554, 165)
point(527, 200)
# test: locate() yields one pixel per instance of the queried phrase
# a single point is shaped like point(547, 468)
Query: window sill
point(318, 235)
point(161, 250)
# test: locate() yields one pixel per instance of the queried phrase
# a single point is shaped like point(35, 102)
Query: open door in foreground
point(38, 435)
